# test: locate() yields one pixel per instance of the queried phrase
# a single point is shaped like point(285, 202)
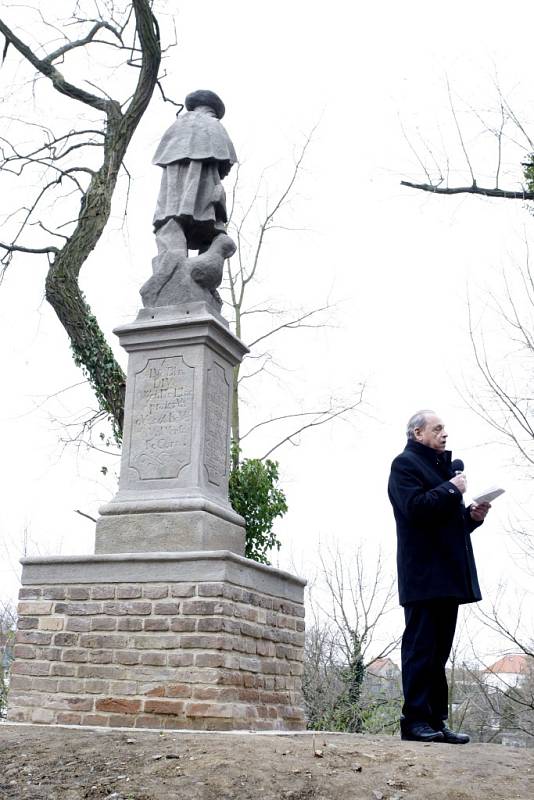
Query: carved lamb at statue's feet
point(207, 268)
point(184, 280)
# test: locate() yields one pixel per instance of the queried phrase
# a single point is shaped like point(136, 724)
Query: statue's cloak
point(196, 136)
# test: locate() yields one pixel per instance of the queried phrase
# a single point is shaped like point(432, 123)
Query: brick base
point(197, 655)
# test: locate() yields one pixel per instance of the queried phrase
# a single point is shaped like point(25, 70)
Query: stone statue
point(196, 154)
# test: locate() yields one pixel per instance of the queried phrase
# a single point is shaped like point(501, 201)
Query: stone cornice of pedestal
point(209, 566)
point(168, 326)
point(137, 504)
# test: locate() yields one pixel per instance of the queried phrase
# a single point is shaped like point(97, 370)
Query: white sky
point(398, 262)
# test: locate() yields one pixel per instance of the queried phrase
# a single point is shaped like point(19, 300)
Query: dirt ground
point(41, 762)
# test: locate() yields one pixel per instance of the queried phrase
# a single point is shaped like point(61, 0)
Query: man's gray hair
point(418, 420)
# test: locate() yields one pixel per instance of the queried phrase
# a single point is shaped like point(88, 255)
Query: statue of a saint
point(195, 153)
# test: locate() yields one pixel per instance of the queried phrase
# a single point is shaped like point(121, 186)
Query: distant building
point(508, 672)
point(384, 668)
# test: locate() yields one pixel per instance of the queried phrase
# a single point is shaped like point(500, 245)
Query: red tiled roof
point(516, 663)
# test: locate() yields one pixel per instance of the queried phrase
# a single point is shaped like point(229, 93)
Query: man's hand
point(460, 482)
point(478, 511)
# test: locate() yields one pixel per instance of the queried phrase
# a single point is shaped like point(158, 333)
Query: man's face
point(432, 434)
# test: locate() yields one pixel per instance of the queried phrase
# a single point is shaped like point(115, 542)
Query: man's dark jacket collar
point(431, 455)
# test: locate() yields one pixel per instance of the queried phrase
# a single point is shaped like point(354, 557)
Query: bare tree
point(7, 639)
point(348, 602)
point(252, 222)
point(512, 144)
point(76, 169)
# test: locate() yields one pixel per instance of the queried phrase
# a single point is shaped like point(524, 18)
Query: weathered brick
point(130, 624)
point(141, 607)
point(33, 637)
point(231, 678)
point(180, 659)
point(128, 591)
point(247, 629)
point(44, 684)
point(156, 658)
point(100, 656)
point(182, 590)
point(156, 691)
point(168, 608)
point(30, 668)
point(20, 682)
point(155, 592)
point(265, 648)
point(168, 642)
point(109, 671)
point(42, 716)
point(51, 623)
point(103, 623)
point(207, 642)
point(183, 625)
point(251, 664)
point(66, 639)
point(206, 607)
point(78, 609)
point(118, 688)
point(103, 592)
point(96, 686)
point(126, 657)
point(118, 705)
point(178, 690)
point(156, 624)
point(67, 670)
point(53, 593)
point(79, 624)
point(175, 707)
point(97, 720)
point(222, 694)
point(30, 593)
point(78, 593)
point(50, 653)
point(32, 608)
point(211, 589)
point(27, 623)
point(231, 660)
point(150, 721)
point(74, 654)
point(297, 669)
point(209, 659)
point(68, 718)
point(122, 720)
point(24, 651)
point(210, 710)
point(71, 685)
point(102, 640)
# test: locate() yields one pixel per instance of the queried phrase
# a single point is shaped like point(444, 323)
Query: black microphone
point(457, 466)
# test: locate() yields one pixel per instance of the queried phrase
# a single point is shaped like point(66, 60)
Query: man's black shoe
point(450, 737)
point(420, 732)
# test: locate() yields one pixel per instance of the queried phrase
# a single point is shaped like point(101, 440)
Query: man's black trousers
point(426, 645)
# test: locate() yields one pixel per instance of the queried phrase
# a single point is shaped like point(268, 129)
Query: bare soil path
point(52, 763)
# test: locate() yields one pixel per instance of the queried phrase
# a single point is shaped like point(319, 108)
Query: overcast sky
point(399, 264)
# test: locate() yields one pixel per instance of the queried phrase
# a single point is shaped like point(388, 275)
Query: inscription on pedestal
point(160, 444)
point(217, 404)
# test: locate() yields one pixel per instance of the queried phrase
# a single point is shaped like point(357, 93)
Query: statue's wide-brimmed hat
point(203, 97)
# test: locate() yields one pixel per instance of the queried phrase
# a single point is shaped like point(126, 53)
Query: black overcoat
point(434, 551)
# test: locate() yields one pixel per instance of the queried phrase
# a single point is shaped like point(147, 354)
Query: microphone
point(457, 465)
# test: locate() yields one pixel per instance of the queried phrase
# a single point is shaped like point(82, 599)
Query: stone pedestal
point(173, 489)
point(207, 641)
point(167, 625)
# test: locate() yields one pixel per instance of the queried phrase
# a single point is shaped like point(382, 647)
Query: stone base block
point(206, 641)
point(167, 532)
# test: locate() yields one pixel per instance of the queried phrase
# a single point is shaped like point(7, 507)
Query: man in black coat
point(436, 571)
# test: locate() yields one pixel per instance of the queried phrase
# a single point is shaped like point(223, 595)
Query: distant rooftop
point(516, 663)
